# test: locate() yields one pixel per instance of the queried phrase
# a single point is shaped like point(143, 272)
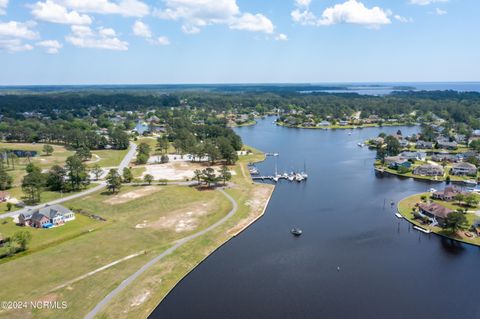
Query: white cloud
point(127, 8)
point(195, 14)
point(355, 12)
point(305, 17)
point(140, 29)
point(426, 2)
point(252, 22)
point(162, 41)
point(439, 12)
point(351, 12)
point(103, 38)
point(3, 6)
point(51, 11)
point(281, 37)
point(51, 46)
point(14, 45)
point(403, 19)
point(18, 30)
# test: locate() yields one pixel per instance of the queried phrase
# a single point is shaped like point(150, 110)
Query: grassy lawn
point(120, 236)
point(58, 157)
point(152, 286)
point(47, 196)
point(152, 142)
point(407, 205)
point(44, 238)
point(145, 220)
point(108, 158)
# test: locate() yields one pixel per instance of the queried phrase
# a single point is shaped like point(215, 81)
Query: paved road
point(164, 254)
point(125, 162)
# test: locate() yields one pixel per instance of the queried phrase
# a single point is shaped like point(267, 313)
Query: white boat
point(304, 175)
point(470, 182)
point(398, 215)
point(298, 177)
point(432, 190)
point(423, 230)
point(291, 178)
point(361, 144)
point(275, 179)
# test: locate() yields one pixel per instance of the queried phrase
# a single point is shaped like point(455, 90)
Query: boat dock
point(292, 177)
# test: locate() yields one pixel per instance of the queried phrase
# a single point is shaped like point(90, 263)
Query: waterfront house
point(397, 161)
point(435, 212)
point(404, 143)
point(429, 170)
point(463, 169)
point(424, 145)
point(343, 123)
point(324, 123)
point(447, 144)
point(460, 138)
point(414, 156)
point(46, 217)
point(448, 194)
point(445, 157)
point(4, 196)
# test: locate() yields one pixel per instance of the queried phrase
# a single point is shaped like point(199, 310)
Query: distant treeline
point(75, 134)
point(450, 105)
point(49, 104)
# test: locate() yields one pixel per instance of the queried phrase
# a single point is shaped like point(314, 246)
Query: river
point(386, 269)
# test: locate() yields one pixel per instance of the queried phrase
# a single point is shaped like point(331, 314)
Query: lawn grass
point(407, 205)
point(108, 158)
point(47, 196)
point(44, 269)
point(158, 281)
point(117, 238)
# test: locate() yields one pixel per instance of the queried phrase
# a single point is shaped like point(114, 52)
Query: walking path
point(164, 254)
point(125, 162)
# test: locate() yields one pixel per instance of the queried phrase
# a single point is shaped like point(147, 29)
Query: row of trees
point(209, 177)
point(73, 177)
point(61, 132)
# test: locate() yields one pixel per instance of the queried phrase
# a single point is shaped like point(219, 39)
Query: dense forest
point(460, 107)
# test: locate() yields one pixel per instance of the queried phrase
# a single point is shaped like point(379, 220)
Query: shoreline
point(243, 220)
point(338, 127)
point(433, 231)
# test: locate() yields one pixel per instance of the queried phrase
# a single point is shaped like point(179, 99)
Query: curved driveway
point(164, 254)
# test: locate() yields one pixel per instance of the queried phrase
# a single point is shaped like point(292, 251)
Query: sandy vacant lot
point(175, 171)
point(125, 198)
point(180, 220)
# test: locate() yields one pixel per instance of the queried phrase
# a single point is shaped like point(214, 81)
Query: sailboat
point(304, 174)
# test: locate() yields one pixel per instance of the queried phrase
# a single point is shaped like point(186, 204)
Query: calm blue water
point(387, 270)
point(387, 88)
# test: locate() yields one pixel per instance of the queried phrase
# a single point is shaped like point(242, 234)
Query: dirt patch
point(175, 171)
point(182, 220)
point(259, 197)
point(140, 299)
point(49, 298)
point(132, 195)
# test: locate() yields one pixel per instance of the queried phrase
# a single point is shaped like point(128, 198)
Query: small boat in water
point(399, 216)
point(296, 231)
point(426, 231)
point(470, 182)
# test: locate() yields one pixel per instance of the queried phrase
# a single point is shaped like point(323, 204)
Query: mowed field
point(105, 158)
point(65, 264)
point(143, 220)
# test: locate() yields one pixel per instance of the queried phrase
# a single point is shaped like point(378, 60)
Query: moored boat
point(296, 231)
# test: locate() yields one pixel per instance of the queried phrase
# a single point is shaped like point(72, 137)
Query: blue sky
point(238, 41)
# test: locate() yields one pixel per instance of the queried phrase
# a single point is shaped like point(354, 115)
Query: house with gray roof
point(46, 217)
